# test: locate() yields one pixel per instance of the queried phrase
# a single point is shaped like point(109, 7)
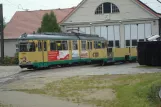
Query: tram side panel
point(133, 54)
point(119, 54)
point(32, 55)
point(99, 52)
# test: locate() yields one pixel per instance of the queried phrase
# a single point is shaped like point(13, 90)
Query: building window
point(99, 9)
point(134, 43)
point(127, 43)
point(115, 9)
point(107, 8)
point(117, 43)
point(110, 44)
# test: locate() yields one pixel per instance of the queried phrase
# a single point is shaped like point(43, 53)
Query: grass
point(139, 90)
point(2, 105)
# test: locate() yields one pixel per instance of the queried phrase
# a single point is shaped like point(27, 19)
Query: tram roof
point(60, 36)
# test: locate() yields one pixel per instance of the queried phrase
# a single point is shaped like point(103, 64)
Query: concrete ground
point(16, 78)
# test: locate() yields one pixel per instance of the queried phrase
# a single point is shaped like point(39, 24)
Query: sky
point(11, 6)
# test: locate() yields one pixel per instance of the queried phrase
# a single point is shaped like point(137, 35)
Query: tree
point(49, 23)
point(4, 23)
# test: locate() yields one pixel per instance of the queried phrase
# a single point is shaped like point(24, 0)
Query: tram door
point(90, 49)
point(42, 51)
point(75, 50)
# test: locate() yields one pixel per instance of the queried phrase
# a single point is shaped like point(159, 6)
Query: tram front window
point(27, 47)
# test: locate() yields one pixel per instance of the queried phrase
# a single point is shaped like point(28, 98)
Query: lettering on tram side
point(58, 55)
point(96, 54)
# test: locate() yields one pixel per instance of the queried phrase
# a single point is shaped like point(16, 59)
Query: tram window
point(127, 42)
point(89, 45)
point(45, 46)
point(70, 46)
point(97, 45)
point(32, 47)
point(52, 45)
point(109, 50)
point(117, 43)
point(23, 47)
point(110, 44)
point(134, 42)
point(103, 44)
point(64, 45)
point(58, 45)
point(27, 47)
point(83, 45)
point(75, 45)
point(39, 46)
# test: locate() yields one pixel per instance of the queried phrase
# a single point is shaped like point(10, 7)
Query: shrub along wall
point(10, 60)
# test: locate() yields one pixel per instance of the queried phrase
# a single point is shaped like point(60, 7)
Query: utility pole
point(1, 32)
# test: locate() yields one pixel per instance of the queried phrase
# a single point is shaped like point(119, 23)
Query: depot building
point(122, 22)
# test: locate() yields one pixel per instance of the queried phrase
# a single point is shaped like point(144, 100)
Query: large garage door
point(136, 32)
point(110, 33)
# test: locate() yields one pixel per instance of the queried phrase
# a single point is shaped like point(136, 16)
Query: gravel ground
point(15, 78)
point(8, 70)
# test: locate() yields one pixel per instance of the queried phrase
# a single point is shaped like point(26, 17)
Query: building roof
point(154, 5)
point(30, 21)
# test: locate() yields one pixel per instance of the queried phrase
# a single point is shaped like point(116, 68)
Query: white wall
point(9, 48)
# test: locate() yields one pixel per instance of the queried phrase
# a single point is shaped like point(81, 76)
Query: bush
point(11, 61)
point(7, 60)
point(153, 95)
point(15, 59)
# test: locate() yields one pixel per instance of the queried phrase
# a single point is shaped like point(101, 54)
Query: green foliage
point(49, 23)
point(11, 61)
point(2, 105)
point(15, 59)
point(7, 60)
point(4, 23)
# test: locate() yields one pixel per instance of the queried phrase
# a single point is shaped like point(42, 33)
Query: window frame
point(23, 47)
point(84, 42)
point(96, 45)
point(101, 9)
point(54, 47)
point(75, 42)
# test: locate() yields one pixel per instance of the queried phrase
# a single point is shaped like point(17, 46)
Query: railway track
point(14, 77)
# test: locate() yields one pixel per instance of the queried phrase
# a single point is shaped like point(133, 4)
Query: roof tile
point(30, 21)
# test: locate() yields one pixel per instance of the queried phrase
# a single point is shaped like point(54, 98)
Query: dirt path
point(19, 99)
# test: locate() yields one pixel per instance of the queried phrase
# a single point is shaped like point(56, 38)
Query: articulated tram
point(49, 49)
